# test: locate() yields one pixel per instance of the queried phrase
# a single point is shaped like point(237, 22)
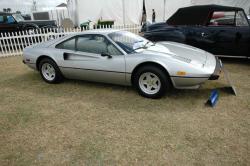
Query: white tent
point(164, 8)
point(121, 11)
point(130, 11)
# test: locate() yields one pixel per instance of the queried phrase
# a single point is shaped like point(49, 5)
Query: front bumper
point(217, 71)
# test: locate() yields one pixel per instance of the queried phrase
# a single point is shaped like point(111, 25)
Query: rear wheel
point(151, 82)
point(30, 30)
point(50, 71)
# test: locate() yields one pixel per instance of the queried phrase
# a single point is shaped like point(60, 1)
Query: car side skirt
point(30, 65)
point(94, 75)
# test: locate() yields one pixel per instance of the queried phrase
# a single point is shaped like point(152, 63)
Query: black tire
point(165, 83)
point(58, 75)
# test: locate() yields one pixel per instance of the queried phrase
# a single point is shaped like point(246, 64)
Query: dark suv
point(15, 22)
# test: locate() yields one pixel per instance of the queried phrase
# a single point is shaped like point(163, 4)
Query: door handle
point(203, 34)
point(106, 55)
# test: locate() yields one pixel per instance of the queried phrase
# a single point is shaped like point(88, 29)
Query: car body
point(220, 30)
point(10, 22)
point(120, 57)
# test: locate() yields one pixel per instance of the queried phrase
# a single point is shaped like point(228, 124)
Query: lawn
point(81, 123)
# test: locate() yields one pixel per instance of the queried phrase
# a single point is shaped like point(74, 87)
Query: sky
point(25, 5)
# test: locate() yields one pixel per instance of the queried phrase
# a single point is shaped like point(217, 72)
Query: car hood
point(179, 51)
point(40, 23)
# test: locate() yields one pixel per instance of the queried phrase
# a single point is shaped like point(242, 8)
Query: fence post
point(3, 48)
point(14, 43)
point(7, 41)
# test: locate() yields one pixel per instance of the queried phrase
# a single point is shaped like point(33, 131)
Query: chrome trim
point(229, 56)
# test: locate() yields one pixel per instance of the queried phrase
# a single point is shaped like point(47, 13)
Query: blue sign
point(213, 99)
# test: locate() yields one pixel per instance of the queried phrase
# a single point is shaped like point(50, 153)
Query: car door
point(8, 24)
point(217, 36)
point(221, 30)
point(95, 58)
point(222, 39)
point(242, 40)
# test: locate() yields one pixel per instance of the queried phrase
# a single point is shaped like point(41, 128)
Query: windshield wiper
point(145, 46)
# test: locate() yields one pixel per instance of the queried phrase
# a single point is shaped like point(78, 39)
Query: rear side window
point(67, 45)
point(241, 19)
point(1, 19)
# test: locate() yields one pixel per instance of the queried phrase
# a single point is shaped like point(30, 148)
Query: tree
point(34, 6)
point(8, 10)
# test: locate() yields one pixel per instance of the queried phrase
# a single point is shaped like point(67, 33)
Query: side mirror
point(106, 55)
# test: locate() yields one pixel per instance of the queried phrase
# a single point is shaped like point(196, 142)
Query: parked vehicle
point(220, 30)
point(15, 22)
point(120, 57)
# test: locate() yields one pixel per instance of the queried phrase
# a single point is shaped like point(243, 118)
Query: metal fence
point(12, 44)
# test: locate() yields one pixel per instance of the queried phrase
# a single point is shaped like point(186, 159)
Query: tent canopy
point(120, 11)
point(130, 11)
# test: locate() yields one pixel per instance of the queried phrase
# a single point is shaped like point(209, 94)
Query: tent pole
point(123, 11)
point(164, 14)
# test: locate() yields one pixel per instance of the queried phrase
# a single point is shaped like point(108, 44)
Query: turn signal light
point(181, 73)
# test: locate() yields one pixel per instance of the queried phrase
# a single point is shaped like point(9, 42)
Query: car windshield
point(130, 42)
point(18, 17)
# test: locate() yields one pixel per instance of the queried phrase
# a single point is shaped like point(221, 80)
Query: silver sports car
point(120, 57)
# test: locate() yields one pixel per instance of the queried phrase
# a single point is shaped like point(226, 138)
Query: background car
point(220, 30)
point(15, 22)
point(120, 57)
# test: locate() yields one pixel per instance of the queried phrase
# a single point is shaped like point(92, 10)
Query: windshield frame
point(18, 17)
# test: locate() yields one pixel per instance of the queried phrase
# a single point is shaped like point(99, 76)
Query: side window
point(241, 20)
point(222, 19)
point(96, 44)
point(67, 45)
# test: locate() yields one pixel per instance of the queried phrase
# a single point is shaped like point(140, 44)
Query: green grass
point(81, 123)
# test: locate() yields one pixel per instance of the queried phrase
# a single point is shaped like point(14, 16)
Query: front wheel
point(152, 82)
point(50, 71)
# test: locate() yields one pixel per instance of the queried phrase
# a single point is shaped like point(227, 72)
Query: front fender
point(133, 63)
point(30, 25)
point(174, 35)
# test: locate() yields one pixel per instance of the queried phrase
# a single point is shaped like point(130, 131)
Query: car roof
point(98, 31)
point(4, 13)
point(197, 15)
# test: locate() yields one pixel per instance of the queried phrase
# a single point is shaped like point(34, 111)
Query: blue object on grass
point(213, 99)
